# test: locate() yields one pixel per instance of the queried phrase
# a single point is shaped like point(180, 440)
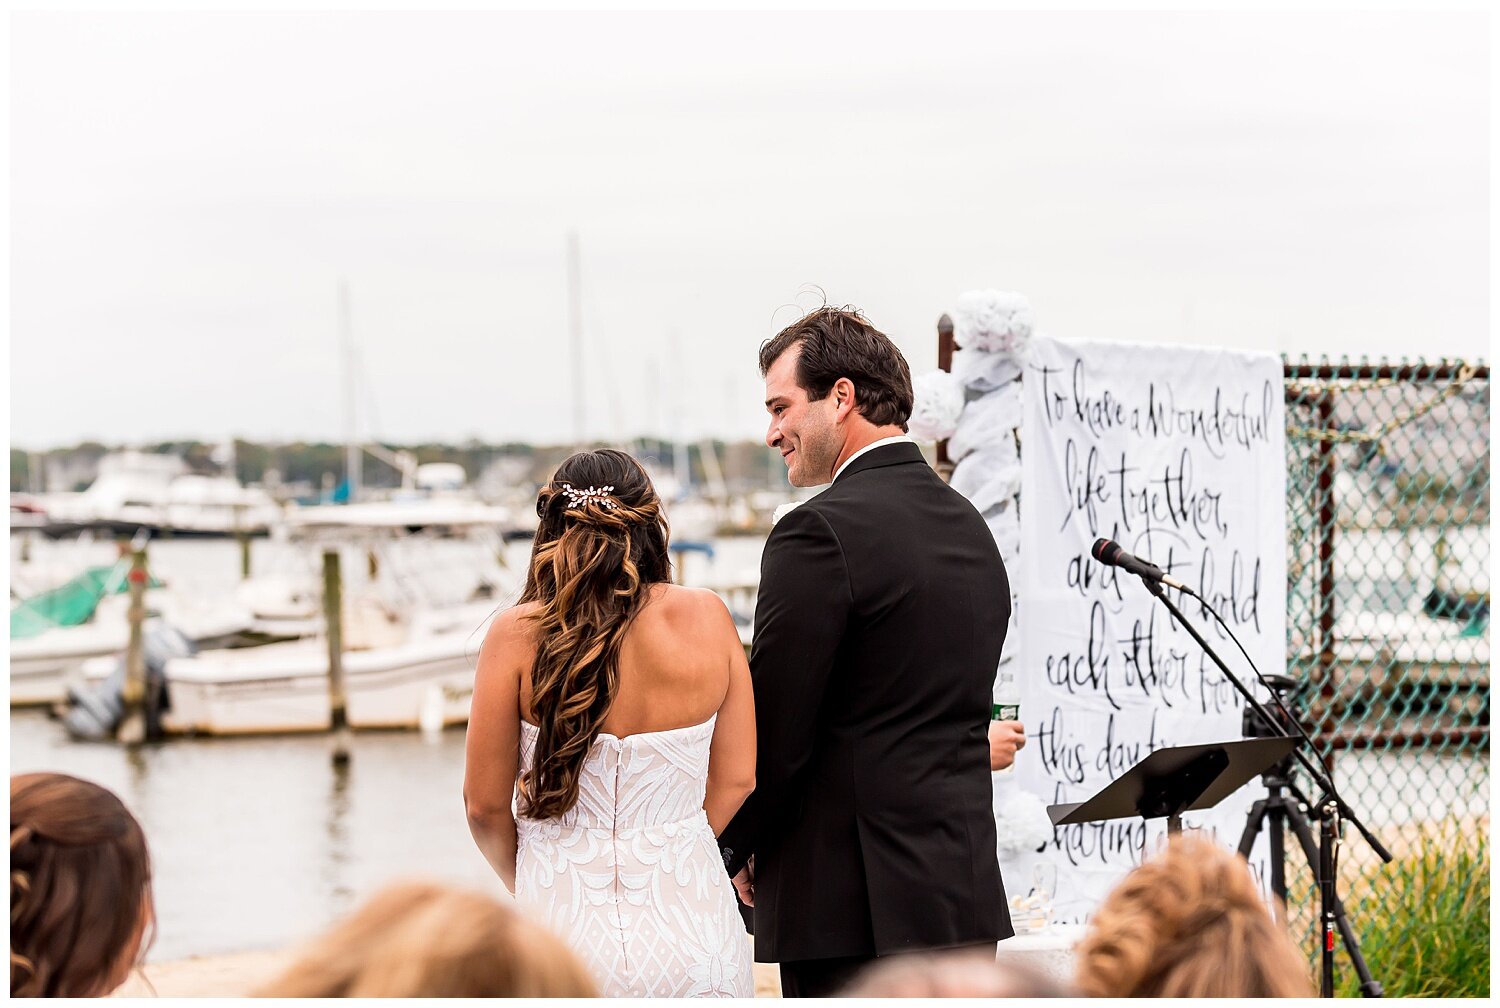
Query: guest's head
point(80, 888)
point(424, 940)
point(950, 974)
point(600, 546)
point(1189, 923)
point(831, 377)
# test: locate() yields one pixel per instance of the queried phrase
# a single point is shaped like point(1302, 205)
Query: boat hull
point(284, 688)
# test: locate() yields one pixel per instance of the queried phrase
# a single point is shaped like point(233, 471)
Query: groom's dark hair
point(841, 343)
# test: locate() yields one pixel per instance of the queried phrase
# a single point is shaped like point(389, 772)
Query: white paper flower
point(781, 511)
point(988, 423)
point(937, 402)
point(992, 321)
point(985, 372)
point(1021, 825)
point(1005, 526)
point(988, 477)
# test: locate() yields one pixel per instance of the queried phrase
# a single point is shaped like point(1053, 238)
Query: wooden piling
point(243, 535)
point(132, 727)
point(333, 617)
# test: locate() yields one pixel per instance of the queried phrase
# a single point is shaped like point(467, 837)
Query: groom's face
point(802, 430)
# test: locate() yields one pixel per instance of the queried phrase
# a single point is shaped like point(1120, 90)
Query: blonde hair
point(950, 974)
point(419, 939)
point(1189, 923)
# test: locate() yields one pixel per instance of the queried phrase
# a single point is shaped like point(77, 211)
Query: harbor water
point(259, 841)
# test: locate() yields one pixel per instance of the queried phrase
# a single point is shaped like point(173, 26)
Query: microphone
point(1109, 552)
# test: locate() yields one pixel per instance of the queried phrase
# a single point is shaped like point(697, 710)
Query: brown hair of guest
point(1189, 923)
point(80, 888)
point(418, 939)
point(593, 563)
point(841, 343)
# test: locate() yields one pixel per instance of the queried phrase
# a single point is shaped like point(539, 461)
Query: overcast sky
point(188, 190)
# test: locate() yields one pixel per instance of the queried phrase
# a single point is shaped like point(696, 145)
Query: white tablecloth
point(1048, 951)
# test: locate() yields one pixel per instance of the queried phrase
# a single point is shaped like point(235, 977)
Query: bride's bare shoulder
point(512, 626)
point(679, 602)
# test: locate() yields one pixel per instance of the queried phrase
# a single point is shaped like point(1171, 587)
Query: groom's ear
point(843, 399)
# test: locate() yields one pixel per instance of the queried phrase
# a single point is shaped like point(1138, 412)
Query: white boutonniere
point(781, 511)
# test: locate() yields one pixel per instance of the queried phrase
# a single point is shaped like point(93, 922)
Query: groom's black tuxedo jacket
point(883, 606)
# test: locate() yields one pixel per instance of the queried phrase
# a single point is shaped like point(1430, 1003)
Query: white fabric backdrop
point(1177, 454)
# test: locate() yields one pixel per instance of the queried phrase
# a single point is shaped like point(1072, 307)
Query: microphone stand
point(1330, 810)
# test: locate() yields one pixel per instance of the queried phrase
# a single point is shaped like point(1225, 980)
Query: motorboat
point(434, 497)
point(411, 630)
point(139, 491)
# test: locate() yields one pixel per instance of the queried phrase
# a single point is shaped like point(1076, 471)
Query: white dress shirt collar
point(898, 439)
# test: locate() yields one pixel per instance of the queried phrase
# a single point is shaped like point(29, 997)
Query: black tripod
point(1285, 805)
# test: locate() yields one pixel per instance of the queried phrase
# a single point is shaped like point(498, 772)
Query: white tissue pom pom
point(986, 372)
point(937, 401)
point(781, 511)
point(992, 321)
point(988, 423)
point(988, 477)
point(1022, 825)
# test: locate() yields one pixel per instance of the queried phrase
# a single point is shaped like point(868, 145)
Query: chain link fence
point(1388, 517)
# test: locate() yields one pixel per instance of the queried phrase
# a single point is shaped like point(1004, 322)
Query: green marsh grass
point(1423, 921)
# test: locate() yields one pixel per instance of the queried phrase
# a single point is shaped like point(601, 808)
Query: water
point(258, 842)
point(261, 842)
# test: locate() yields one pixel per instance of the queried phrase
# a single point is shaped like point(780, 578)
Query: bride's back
point(673, 667)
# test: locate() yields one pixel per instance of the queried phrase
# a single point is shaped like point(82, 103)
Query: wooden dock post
point(243, 536)
point(333, 617)
point(132, 729)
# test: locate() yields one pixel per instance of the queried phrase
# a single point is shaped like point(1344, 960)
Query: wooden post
point(943, 466)
point(132, 727)
point(333, 610)
point(243, 536)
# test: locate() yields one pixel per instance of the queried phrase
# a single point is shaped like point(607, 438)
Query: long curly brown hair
point(600, 546)
point(80, 887)
point(1189, 923)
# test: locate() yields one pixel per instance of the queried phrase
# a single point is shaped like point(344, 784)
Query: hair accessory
point(578, 498)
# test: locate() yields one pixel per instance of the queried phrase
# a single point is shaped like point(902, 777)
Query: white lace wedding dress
point(631, 878)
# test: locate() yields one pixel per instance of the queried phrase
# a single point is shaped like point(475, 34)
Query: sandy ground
point(237, 974)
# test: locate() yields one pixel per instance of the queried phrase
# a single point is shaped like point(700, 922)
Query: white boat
point(411, 634)
point(434, 496)
point(42, 667)
point(424, 677)
point(140, 491)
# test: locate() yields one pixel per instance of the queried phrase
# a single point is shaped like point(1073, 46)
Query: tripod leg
point(1368, 985)
point(1253, 822)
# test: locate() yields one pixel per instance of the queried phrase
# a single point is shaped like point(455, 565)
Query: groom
point(882, 609)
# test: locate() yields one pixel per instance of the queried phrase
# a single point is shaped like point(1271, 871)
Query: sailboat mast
point(353, 459)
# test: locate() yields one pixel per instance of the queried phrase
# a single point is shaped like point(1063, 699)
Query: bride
point(612, 737)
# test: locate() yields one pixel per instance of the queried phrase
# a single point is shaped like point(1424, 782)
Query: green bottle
point(1007, 705)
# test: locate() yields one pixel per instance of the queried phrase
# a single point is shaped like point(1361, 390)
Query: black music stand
point(1170, 782)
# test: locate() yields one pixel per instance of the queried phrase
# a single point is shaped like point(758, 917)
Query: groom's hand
point(1005, 738)
point(744, 882)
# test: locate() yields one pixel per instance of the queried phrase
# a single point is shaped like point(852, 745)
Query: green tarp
point(70, 604)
